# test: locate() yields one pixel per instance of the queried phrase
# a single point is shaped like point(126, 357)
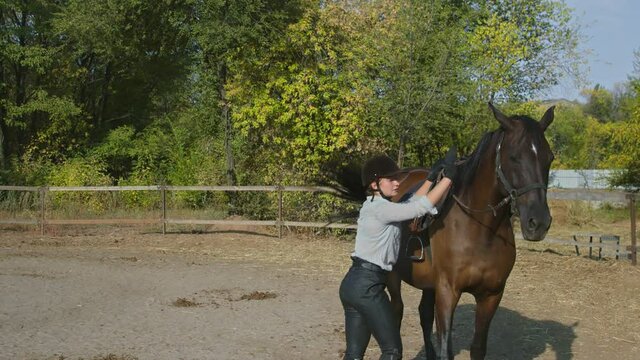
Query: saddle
point(414, 179)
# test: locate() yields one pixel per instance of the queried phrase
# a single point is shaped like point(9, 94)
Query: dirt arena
point(232, 294)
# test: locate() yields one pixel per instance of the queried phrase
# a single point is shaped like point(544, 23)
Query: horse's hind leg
point(394, 283)
point(426, 308)
point(486, 307)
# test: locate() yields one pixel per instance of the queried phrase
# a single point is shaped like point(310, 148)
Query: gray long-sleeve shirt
point(378, 234)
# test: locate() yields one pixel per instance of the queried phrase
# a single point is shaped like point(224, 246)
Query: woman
point(366, 305)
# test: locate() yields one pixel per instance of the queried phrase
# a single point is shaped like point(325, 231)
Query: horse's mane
point(470, 166)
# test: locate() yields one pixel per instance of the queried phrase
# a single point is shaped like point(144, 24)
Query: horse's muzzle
point(534, 228)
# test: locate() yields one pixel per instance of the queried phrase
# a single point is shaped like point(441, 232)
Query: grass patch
point(184, 302)
point(259, 295)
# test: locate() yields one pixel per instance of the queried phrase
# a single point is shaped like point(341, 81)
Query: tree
point(302, 102)
point(600, 103)
point(126, 58)
point(566, 136)
point(627, 138)
point(419, 80)
point(70, 71)
point(437, 63)
point(522, 47)
point(35, 117)
point(227, 32)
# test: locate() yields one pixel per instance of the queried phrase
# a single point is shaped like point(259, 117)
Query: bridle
point(513, 193)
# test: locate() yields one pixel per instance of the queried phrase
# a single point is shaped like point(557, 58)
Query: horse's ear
point(547, 118)
point(502, 118)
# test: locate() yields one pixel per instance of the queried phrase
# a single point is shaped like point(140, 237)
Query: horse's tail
point(345, 179)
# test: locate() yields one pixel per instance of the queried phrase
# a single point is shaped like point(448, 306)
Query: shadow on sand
point(200, 232)
point(512, 336)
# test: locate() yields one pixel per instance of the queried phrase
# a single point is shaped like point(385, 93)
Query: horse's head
point(523, 159)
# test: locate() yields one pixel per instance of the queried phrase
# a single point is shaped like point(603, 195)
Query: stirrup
point(413, 257)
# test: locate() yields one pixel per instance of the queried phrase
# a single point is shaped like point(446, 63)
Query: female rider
point(366, 305)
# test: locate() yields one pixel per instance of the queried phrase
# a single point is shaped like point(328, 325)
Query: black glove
point(450, 169)
point(435, 171)
point(446, 164)
point(451, 155)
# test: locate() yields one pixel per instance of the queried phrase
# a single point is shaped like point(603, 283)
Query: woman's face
point(388, 187)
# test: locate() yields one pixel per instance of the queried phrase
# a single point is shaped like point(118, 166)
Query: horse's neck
point(485, 190)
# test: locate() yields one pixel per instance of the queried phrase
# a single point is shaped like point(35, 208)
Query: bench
point(608, 240)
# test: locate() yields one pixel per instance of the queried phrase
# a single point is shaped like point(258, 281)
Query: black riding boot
point(395, 356)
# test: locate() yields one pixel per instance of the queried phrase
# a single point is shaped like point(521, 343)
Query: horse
point(470, 244)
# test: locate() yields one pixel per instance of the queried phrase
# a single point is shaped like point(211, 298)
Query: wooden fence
point(42, 221)
point(43, 192)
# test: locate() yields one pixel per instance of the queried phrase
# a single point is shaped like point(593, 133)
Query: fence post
point(280, 189)
point(163, 193)
point(43, 194)
point(634, 245)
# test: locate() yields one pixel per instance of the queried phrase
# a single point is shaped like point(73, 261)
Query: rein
point(513, 193)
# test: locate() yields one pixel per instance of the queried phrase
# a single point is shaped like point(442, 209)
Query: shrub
point(80, 172)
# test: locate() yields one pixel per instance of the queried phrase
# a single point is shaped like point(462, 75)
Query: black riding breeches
point(367, 311)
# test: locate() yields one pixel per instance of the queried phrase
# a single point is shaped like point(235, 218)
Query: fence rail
point(164, 220)
point(588, 195)
point(42, 221)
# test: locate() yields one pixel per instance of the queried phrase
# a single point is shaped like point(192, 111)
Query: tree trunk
point(226, 117)
point(3, 161)
point(16, 139)
point(104, 97)
point(401, 147)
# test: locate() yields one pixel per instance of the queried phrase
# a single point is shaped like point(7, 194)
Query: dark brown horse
point(470, 247)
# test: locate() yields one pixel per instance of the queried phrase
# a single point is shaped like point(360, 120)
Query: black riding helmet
point(380, 166)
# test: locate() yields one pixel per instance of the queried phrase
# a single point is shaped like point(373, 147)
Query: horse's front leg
point(486, 306)
point(426, 308)
point(394, 284)
point(446, 301)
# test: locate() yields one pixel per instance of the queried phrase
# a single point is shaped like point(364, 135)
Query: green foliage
point(600, 103)
point(127, 58)
point(305, 106)
point(565, 138)
point(28, 55)
point(65, 131)
point(185, 92)
point(117, 151)
point(626, 139)
point(522, 47)
point(420, 80)
point(28, 172)
point(80, 172)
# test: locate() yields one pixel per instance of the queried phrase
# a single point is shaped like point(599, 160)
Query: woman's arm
point(436, 194)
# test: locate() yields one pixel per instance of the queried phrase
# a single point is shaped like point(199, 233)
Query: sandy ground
point(122, 294)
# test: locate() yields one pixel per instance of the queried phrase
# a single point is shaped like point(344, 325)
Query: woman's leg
point(357, 334)
point(368, 311)
point(382, 322)
point(356, 330)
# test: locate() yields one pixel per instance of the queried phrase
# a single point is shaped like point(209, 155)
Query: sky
point(612, 33)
